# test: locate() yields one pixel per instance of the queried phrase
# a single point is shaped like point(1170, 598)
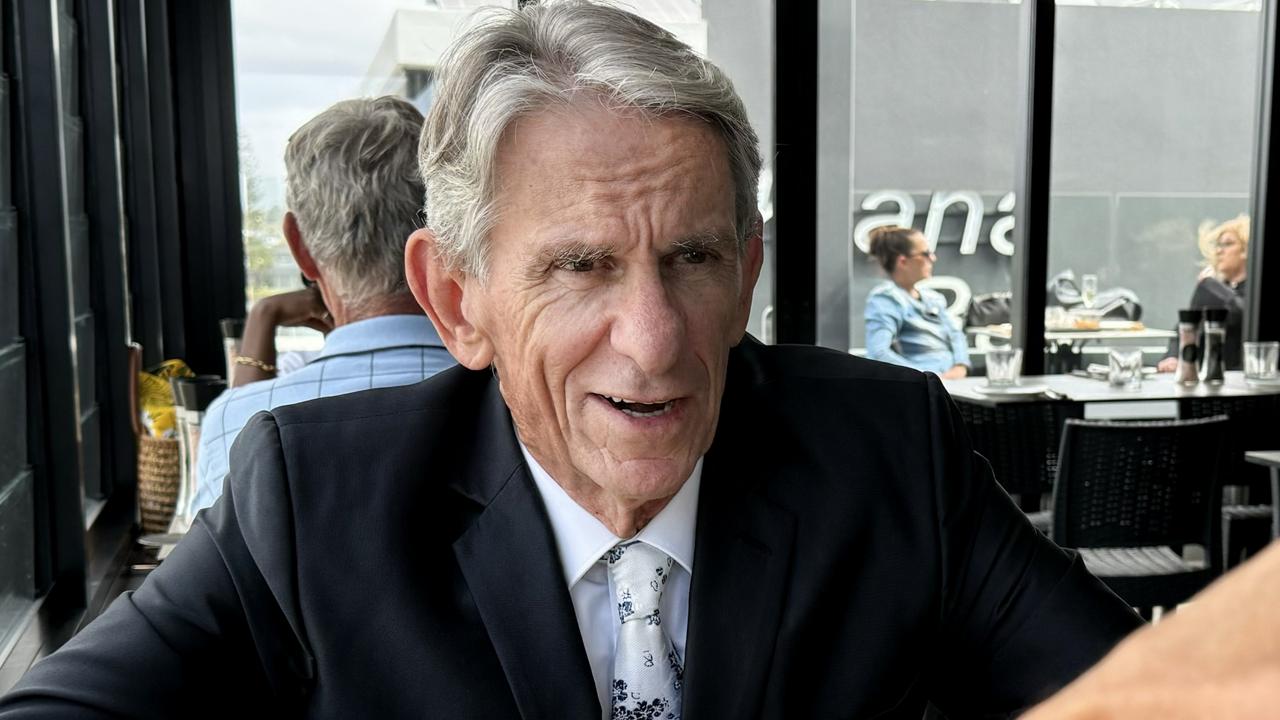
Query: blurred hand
point(1168, 364)
point(1218, 656)
point(956, 373)
point(297, 308)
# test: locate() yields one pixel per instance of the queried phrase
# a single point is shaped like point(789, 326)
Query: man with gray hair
point(353, 191)
point(618, 506)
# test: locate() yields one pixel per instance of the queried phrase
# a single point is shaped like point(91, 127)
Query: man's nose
point(649, 327)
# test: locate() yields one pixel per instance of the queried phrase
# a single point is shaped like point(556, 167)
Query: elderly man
point(619, 507)
point(353, 192)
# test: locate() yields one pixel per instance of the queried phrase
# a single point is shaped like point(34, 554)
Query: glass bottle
point(1188, 372)
point(1215, 337)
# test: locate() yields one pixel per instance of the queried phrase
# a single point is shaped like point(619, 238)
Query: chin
point(648, 478)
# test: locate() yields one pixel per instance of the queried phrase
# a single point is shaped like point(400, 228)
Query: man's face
point(615, 290)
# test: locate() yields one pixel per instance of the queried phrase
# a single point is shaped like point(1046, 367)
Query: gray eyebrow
point(573, 250)
point(704, 240)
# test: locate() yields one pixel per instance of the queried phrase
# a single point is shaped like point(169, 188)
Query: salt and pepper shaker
point(1215, 338)
point(1188, 372)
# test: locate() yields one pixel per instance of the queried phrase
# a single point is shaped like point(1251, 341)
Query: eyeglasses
point(926, 253)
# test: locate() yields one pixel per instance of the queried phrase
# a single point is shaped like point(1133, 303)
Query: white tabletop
point(1082, 336)
point(1270, 458)
point(1082, 389)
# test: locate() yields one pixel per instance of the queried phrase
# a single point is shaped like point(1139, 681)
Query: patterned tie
point(647, 676)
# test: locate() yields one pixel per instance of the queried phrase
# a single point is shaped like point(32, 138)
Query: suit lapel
point(741, 561)
point(509, 559)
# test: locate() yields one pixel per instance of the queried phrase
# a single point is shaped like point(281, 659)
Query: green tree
point(268, 266)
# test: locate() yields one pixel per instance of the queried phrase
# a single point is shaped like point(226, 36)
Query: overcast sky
point(294, 58)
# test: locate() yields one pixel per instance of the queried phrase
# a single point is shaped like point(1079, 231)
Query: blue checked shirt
point(917, 333)
point(379, 352)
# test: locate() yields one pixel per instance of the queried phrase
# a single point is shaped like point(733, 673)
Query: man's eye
point(578, 265)
point(694, 257)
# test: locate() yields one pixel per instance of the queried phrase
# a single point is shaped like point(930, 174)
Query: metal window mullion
point(795, 107)
point(49, 325)
point(1032, 173)
point(1263, 316)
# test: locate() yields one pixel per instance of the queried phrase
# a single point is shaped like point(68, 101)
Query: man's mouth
point(638, 409)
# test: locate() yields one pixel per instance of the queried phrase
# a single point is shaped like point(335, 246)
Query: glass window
point(1153, 144)
point(293, 60)
point(918, 102)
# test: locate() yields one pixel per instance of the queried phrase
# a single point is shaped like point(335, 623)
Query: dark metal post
point(47, 323)
point(795, 103)
point(1031, 218)
point(109, 273)
point(205, 123)
point(1263, 316)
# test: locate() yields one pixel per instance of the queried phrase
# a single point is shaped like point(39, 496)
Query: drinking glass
point(1124, 368)
point(1088, 291)
point(1260, 359)
point(1004, 365)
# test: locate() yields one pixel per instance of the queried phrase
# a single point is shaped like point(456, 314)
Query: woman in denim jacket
point(907, 325)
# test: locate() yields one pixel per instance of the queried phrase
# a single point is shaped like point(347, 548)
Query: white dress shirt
point(581, 540)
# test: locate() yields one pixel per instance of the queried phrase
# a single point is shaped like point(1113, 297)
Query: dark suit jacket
point(386, 554)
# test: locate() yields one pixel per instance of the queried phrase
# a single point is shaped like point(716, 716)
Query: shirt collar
point(581, 538)
point(380, 333)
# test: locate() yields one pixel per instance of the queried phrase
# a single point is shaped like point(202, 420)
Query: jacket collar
point(743, 553)
point(508, 557)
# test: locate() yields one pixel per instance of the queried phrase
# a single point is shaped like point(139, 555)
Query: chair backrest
point(1020, 440)
point(1252, 425)
point(1136, 484)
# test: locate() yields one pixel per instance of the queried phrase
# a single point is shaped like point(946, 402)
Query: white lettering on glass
point(906, 213)
point(972, 219)
point(1002, 230)
point(1000, 237)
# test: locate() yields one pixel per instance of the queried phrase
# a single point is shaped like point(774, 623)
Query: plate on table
point(1011, 389)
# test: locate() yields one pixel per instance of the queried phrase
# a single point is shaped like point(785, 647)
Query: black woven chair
point(1252, 425)
point(1130, 496)
point(1020, 440)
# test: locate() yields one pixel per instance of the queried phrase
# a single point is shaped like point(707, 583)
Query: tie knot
point(639, 573)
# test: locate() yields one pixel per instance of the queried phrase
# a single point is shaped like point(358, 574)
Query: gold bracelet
point(254, 362)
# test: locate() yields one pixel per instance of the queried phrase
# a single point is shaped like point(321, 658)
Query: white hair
point(354, 187)
point(515, 62)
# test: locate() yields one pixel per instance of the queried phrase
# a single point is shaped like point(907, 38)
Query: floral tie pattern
point(647, 675)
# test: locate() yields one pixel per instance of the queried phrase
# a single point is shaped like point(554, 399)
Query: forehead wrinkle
point(578, 189)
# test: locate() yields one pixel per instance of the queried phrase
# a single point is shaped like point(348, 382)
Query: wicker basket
point(158, 479)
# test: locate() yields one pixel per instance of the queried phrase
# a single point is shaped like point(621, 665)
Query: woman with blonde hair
point(1225, 248)
point(907, 325)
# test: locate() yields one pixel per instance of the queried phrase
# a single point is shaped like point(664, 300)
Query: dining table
point(1091, 389)
point(1019, 428)
point(1064, 344)
point(1270, 459)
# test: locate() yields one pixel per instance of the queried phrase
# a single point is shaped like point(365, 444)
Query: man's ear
point(752, 260)
point(440, 292)
point(301, 255)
